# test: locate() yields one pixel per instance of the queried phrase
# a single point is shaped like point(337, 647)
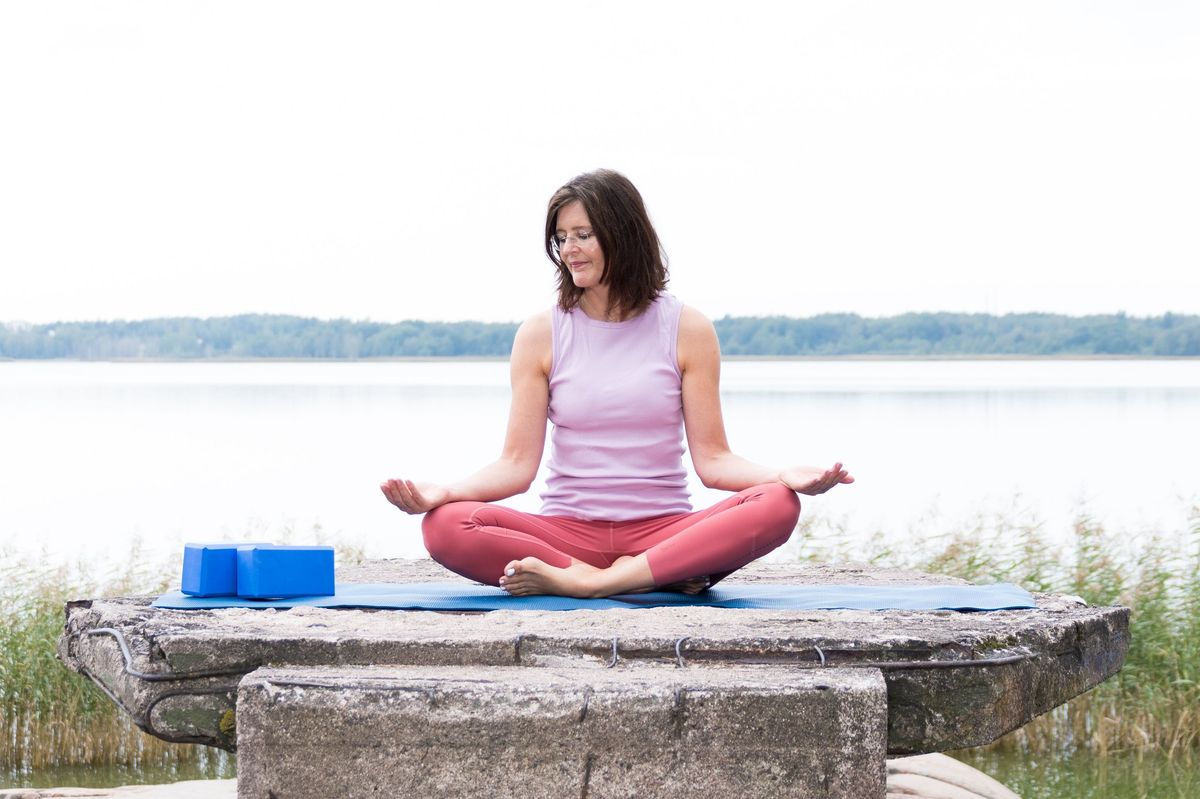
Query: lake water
point(1080, 776)
point(98, 454)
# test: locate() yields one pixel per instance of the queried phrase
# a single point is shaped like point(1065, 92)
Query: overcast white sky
point(392, 160)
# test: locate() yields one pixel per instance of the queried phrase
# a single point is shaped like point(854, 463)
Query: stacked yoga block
point(257, 571)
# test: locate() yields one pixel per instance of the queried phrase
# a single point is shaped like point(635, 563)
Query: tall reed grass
point(54, 719)
point(1153, 703)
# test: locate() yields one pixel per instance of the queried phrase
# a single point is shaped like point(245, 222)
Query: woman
point(622, 369)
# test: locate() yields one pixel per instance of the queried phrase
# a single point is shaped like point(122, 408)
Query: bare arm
point(513, 472)
point(716, 465)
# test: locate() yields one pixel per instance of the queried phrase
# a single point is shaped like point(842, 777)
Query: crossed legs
point(530, 554)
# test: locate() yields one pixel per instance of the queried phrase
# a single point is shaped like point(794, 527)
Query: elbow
point(523, 477)
point(528, 476)
point(707, 469)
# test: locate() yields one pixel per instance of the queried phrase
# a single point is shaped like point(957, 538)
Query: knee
point(442, 527)
point(783, 511)
point(783, 503)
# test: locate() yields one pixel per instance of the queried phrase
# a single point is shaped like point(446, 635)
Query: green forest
point(911, 334)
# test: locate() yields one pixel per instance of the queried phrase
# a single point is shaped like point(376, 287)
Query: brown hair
point(635, 266)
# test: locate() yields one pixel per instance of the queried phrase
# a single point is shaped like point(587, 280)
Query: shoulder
point(698, 343)
point(695, 327)
point(692, 321)
point(533, 342)
point(537, 326)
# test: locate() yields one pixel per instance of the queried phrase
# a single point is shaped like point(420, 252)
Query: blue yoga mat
point(456, 596)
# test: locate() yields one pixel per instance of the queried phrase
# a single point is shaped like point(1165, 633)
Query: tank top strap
point(668, 309)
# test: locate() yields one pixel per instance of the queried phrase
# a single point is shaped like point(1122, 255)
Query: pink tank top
point(616, 448)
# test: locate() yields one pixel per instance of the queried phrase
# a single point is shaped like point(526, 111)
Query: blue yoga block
point(278, 572)
point(210, 569)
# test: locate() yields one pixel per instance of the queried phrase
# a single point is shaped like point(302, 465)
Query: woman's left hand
point(813, 480)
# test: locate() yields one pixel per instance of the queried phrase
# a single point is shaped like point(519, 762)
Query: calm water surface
point(1081, 776)
point(98, 454)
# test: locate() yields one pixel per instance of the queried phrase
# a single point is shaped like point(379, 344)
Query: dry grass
point(1153, 704)
point(52, 716)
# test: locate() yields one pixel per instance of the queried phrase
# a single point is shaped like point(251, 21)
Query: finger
point(404, 498)
point(390, 491)
point(417, 498)
point(832, 479)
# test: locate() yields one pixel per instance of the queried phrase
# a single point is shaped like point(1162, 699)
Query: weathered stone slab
point(954, 679)
point(630, 731)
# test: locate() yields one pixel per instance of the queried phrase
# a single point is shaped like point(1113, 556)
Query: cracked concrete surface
point(556, 732)
point(1058, 650)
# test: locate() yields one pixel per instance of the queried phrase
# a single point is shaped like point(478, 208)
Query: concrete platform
point(953, 679)
point(462, 731)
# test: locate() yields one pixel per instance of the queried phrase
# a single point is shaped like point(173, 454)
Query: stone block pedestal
point(629, 731)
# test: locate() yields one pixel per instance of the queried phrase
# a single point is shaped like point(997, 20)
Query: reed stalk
point(53, 717)
point(1151, 705)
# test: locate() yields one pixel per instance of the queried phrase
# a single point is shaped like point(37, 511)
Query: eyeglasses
point(583, 239)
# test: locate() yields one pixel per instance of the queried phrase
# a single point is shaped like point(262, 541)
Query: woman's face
point(579, 248)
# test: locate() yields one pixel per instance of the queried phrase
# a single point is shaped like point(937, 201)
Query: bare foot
point(690, 586)
point(531, 576)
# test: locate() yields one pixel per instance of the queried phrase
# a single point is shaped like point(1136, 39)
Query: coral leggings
point(477, 539)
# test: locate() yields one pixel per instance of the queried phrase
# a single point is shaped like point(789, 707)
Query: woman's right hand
point(412, 497)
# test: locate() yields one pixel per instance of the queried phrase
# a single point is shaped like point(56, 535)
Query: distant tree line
point(934, 334)
point(254, 336)
point(962, 334)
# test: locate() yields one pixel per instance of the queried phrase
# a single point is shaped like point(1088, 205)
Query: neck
point(594, 302)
